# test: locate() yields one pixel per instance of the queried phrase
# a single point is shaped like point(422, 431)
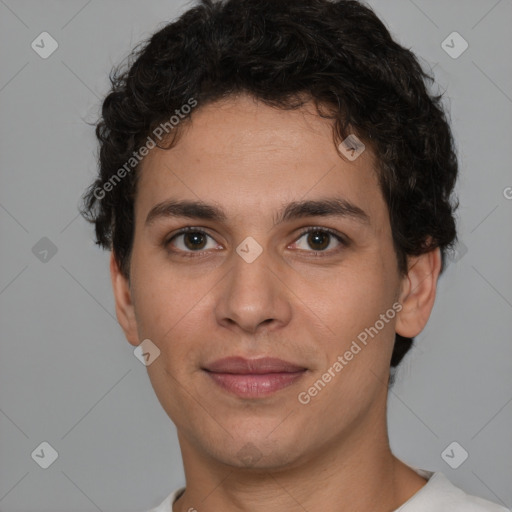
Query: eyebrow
point(329, 207)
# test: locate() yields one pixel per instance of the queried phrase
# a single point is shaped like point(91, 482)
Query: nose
point(254, 296)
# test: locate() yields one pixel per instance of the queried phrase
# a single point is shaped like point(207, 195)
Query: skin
point(250, 160)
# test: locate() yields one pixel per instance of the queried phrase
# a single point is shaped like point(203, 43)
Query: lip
point(253, 378)
point(260, 366)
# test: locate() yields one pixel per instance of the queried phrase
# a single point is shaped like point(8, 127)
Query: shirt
point(437, 495)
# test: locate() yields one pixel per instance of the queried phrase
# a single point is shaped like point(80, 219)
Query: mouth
point(253, 378)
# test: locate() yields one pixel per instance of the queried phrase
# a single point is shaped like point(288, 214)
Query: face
point(259, 280)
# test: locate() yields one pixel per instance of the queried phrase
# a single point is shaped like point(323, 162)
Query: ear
point(124, 306)
point(418, 293)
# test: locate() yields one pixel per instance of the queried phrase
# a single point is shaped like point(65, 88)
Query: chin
point(257, 450)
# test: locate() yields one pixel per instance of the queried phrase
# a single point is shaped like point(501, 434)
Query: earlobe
point(418, 293)
point(124, 305)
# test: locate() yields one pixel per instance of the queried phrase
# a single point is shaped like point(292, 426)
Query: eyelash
point(195, 254)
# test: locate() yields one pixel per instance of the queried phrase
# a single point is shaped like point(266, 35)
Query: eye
point(192, 240)
point(319, 239)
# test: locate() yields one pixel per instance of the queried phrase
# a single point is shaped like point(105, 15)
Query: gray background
point(68, 377)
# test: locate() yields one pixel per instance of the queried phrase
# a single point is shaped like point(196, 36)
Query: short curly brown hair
point(337, 54)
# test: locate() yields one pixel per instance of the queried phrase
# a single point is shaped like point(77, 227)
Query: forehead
point(250, 157)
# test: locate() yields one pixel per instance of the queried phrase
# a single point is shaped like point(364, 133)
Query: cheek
point(357, 299)
point(356, 294)
point(162, 294)
point(172, 308)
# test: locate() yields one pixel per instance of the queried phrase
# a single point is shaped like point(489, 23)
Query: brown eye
point(319, 239)
point(194, 240)
point(190, 240)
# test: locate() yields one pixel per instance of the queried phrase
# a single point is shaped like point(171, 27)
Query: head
point(245, 109)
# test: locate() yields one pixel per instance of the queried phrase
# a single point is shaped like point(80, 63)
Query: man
point(275, 187)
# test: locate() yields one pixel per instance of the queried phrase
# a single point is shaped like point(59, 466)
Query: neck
point(353, 472)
